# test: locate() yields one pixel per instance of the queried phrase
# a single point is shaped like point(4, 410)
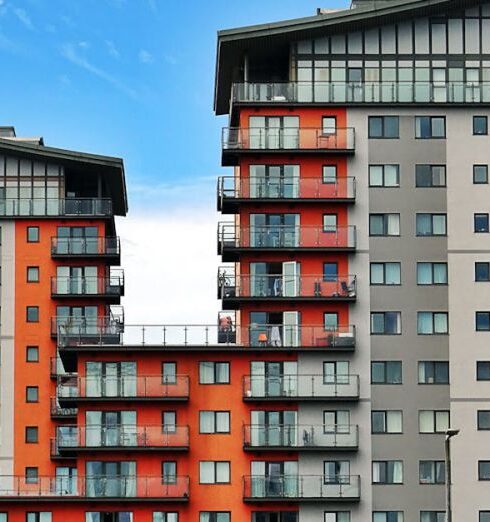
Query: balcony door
point(274, 328)
point(274, 378)
point(273, 428)
point(66, 481)
point(110, 428)
point(274, 479)
point(77, 319)
point(274, 230)
point(111, 379)
point(77, 280)
point(275, 279)
point(110, 479)
point(274, 132)
point(274, 181)
point(77, 240)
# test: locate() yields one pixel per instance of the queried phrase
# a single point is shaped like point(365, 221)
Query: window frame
point(383, 175)
point(35, 230)
point(214, 383)
point(480, 465)
point(434, 373)
point(384, 332)
point(432, 216)
point(478, 373)
point(478, 313)
point(31, 430)
point(480, 165)
point(485, 216)
point(28, 272)
point(32, 309)
point(32, 347)
point(431, 167)
point(385, 463)
point(383, 119)
point(386, 414)
point(476, 118)
point(434, 421)
point(385, 381)
point(215, 472)
point(433, 315)
point(431, 123)
point(488, 271)
point(386, 220)
point(215, 422)
point(383, 264)
point(432, 272)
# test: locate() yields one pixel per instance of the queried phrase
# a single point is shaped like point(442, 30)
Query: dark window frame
point(383, 119)
point(484, 119)
point(35, 231)
point(431, 137)
point(486, 174)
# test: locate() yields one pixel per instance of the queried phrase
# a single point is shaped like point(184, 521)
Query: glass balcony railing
point(280, 387)
point(148, 337)
point(57, 412)
point(122, 437)
point(111, 286)
point(301, 487)
point(21, 207)
point(105, 329)
point(362, 92)
point(231, 236)
point(85, 247)
point(307, 437)
point(287, 139)
point(339, 188)
point(283, 286)
point(94, 488)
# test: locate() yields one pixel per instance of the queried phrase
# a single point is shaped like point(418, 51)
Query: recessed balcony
point(233, 191)
point(55, 207)
point(61, 413)
point(300, 388)
point(286, 437)
point(107, 248)
point(257, 488)
point(110, 288)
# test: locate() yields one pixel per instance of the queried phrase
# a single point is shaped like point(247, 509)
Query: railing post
point(185, 335)
point(207, 334)
point(143, 335)
point(164, 336)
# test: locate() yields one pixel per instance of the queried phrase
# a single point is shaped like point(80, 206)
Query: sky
point(135, 79)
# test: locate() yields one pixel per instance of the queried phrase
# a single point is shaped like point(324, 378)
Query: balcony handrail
point(85, 245)
point(87, 284)
point(223, 224)
point(55, 206)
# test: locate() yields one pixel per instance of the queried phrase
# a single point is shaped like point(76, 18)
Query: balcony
point(362, 93)
point(73, 390)
point(107, 248)
point(301, 388)
point(235, 289)
point(302, 488)
point(95, 489)
point(106, 329)
point(234, 240)
point(232, 191)
point(60, 413)
point(237, 141)
point(79, 207)
point(110, 288)
point(300, 437)
point(122, 438)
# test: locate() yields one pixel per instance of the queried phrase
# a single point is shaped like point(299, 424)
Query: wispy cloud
point(152, 4)
point(70, 53)
point(112, 49)
point(24, 18)
point(145, 56)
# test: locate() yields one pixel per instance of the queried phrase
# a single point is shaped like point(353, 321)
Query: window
point(387, 516)
point(330, 320)
point(274, 516)
point(164, 516)
point(32, 434)
point(484, 516)
point(214, 516)
point(3, 517)
point(32, 354)
point(116, 516)
point(480, 125)
point(480, 223)
point(480, 174)
point(336, 516)
point(482, 321)
point(38, 516)
point(433, 421)
point(33, 274)
point(31, 475)
point(432, 323)
point(482, 271)
point(330, 222)
point(169, 373)
point(211, 472)
point(384, 224)
point(432, 516)
point(483, 419)
point(32, 394)
point(387, 472)
point(336, 471)
point(483, 370)
point(386, 372)
point(329, 174)
point(383, 127)
point(214, 372)
point(32, 234)
point(169, 472)
point(432, 472)
point(431, 273)
point(431, 224)
point(386, 421)
point(214, 422)
point(336, 372)
point(386, 323)
point(336, 421)
point(32, 314)
point(330, 271)
point(430, 176)
point(329, 125)
point(484, 470)
point(430, 127)
point(384, 175)
point(433, 372)
point(385, 273)
point(169, 421)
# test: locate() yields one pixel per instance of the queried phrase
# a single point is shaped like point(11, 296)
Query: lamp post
point(447, 446)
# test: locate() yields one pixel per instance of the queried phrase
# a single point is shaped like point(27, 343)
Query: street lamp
point(447, 445)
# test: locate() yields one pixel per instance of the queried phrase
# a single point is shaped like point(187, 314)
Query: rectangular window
point(484, 516)
point(169, 472)
point(329, 125)
point(336, 516)
point(431, 273)
point(384, 127)
point(430, 175)
point(169, 421)
point(336, 471)
point(432, 516)
point(33, 234)
point(482, 271)
point(32, 394)
point(33, 274)
point(274, 516)
point(214, 422)
point(159, 516)
point(329, 174)
point(386, 421)
point(169, 373)
point(431, 225)
point(432, 323)
point(480, 223)
point(387, 516)
point(432, 472)
point(433, 372)
point(38, 516)
point(214, 516)
point(483, 370)
point(3, 517)
point(212, 472)
point(386, 323)
point(32, 314)
point(480, 174)
point(330, 222)
point(484, 470)
point(482, 321)
point(433, 421)
point(384, 175)
point(330, 271)
point(384, 224)
point(214, 372)
point(31, 475)
point(32, 354)
point(32, 434)
point(385, 273)
point(386, 372)
point(430, 127)
point(483, 419)
point(387, 472)
point(480, 125)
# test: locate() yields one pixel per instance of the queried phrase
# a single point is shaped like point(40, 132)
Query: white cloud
point(145, 57)
point(83, 44)
point(22, 15)
point(112, 49)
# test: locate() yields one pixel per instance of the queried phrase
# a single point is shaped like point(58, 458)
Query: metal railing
point(112, 285)
point(288, 138)
point(122, 436)
point(285, 236)
point(300, 387)
point(20, 207)
point(277, 286)
point(128, 387)
point(56, 367)
point(202, 336)
point(300, 436)
point(94, 487)
point(301, 487)
point(365, 92)
point(105, 329)
point(230, 187)
point(85, 246)
point(58, 412)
